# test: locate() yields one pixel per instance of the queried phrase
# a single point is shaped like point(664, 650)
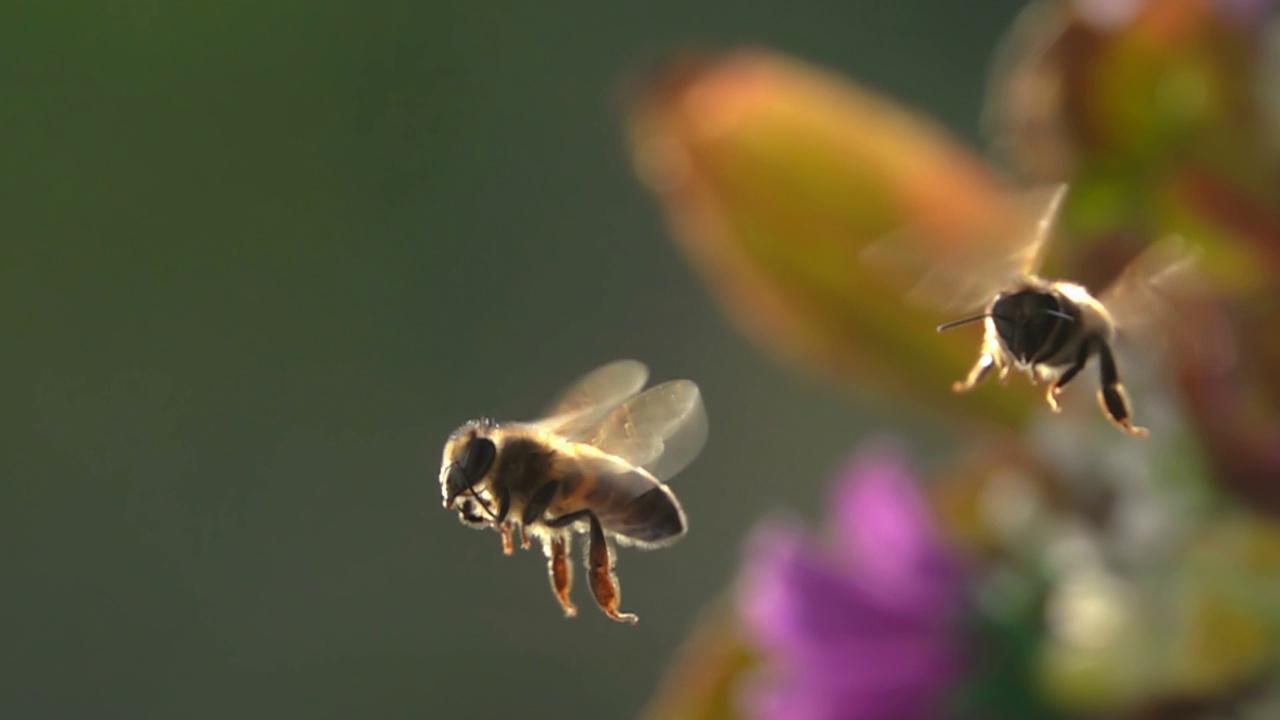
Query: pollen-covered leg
point(976, 375)
point(604, 584)
point(1112, 397)
point(560, 570)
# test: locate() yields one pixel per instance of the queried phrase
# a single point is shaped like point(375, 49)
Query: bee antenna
point(963, 321)
point(1058, 314)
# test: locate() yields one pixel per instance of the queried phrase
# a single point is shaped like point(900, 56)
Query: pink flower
point(862, 628)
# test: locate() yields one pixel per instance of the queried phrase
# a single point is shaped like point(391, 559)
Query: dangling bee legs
point(1112, 396)
point(979, 372)
point(1082, 357)
point(604, 585)
point(560, 570)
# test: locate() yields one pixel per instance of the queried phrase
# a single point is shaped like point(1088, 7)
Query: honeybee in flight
point(595, 464)
point(1049, 329)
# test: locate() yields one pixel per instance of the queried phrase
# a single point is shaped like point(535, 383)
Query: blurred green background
point(259, 259)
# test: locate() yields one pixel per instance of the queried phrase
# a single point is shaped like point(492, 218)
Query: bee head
point(468, 457)
point(1026, 321)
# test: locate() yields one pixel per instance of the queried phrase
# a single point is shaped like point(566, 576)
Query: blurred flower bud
point(776, 175)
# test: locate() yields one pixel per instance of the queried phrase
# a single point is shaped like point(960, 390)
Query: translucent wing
point(629, 502)
point(662, 429)
point(958, 279)
point(581, 406)
point(1144, 297)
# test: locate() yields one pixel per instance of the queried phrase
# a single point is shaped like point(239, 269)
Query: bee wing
point(581, 406)
point(947, 278)
point(661, 430)
point(1143, 298)
point(631, 503)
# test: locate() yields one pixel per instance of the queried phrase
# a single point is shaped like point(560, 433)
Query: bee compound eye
point(455, 484)
point(479, 459)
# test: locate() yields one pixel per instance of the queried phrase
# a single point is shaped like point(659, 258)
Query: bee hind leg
point(560, 571)
point(604, 584)
point(976, 375)
point(1112, 397)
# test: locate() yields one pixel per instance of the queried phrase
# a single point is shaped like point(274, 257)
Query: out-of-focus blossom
point(863, 627)
point(1194, 627)
point(1233, 396)
point(1158, 113)
point(775, 175)
point(1125, 90)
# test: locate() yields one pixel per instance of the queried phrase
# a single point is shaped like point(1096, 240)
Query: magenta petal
point(885, 528)
point(861, 630)
point(792, 598)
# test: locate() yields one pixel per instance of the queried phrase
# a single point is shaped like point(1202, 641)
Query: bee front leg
point(604, 584)
point(1112, 397)
point(976, 375)
point(560, 570)
point(504, 527)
